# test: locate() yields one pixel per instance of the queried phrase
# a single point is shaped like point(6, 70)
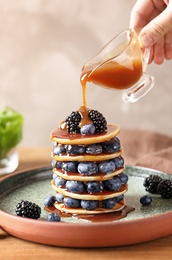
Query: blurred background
point(43, 46)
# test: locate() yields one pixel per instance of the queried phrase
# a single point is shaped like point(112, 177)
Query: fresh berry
point(72, 203)
point(165, 189)
point(76, 149)
point(54, 176)
point(111, 146)
point(72, 122)
point(109, 203)
point(94, 149)
point(59, 197)
point(59, 149)
point(28, 209)
point(119, 198)
point(107, 167)
point(59, 164)
point(123, 178)
point(145, 200)
point(98, 120)
point(93, 186)
point(56, 164)
point(49, 201)
point(151, 183)
point(53, 217)
point(53, 163)
point(54, 144)
point(118, 161)
point(75, 186)
point(116, 139)
point(87, 168)
point(112, 184)
point(88, 129)
point(89, 204)
point(70, 166)
point(60, 182)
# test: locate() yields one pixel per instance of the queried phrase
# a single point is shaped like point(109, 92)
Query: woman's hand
point(154, 18)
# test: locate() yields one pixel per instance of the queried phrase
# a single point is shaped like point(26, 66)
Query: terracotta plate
point(141, 225)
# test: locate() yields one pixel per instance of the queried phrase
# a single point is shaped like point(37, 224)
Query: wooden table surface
point(14, 248)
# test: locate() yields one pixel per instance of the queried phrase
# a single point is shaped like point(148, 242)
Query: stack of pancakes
point(62, 137)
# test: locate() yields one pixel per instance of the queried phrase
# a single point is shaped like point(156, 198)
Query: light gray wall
point(43, 46)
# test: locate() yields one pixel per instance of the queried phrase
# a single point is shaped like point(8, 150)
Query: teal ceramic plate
point(142, 224)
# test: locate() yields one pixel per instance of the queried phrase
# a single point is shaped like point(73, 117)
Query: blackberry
point(165, 189)
point(98, 120)
point(72, 122)
point(28, 209)
point(151, 183)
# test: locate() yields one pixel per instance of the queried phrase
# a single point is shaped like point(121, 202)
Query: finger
point(168, 45)
point(151, 55)
point(140, 13)
point(157, 28)
point(159, 51)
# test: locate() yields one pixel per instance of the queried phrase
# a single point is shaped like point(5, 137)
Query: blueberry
point(54, 144)
point(94, 149)
point(76, 149)
point(111, 146)
point(93, 186)
point(59, 197)
point(118, 161)
point(53, 217)
point(53, 163)
point(54, 176)
point(70, 166)
point(87, 168)
point(75, 186)
point(59, 182)
point(107, 167)
point(56, 164)
point(109, 203)
point(60, 149)
point(145, 200)
point(119, 198)
point(88, 129)
point(116, 139)
point(49, 201)
point(123, 178)
point(89, 204)
point(112, 184)
point(72, 203)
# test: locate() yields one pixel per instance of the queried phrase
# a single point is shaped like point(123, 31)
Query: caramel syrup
point(112, 75)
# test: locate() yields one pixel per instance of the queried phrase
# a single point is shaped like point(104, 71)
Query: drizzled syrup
point(83, 110)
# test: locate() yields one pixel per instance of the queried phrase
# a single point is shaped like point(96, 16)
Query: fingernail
point(146, 40)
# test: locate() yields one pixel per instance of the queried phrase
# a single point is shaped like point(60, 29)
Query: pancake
point(87, 165)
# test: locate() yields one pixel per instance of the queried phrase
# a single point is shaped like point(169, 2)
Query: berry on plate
point(49, 200)
point(53, 217)
point(145, 200)
point(28, 209)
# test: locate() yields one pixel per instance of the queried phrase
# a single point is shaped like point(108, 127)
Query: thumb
point(156, 28)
